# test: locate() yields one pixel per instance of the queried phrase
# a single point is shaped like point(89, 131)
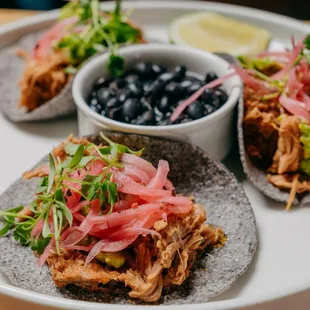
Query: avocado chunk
point(115, 260)
point(85, 210)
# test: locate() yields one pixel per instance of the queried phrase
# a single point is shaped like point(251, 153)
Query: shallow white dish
point(212, 133)
point(283, 256)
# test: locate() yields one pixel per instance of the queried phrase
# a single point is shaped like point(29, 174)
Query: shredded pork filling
point(42, 80)
point(289, 151)
point(154, 263)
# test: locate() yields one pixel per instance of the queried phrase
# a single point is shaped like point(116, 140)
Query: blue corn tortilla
point(194, 173)
point(11, 72)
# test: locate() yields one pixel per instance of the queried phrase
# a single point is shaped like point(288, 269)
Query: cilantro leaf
point(116, 148)
point(91, 185)
point(307, 42)
point(5, 229)
point(46, 232)
point(43, 185)
point(77, 157)
point(61, 203)
point(39, 244)
point(22, 233)
point(116, 65)
point(9, 215)
point(85, 160)
point(65, 164)
point(71, 148)
point(59, 196)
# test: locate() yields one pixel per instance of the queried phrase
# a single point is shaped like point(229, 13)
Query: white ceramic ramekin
point(212, 133)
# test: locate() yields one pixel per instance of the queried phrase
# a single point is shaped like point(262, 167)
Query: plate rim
point(40, 18)
point(183, 4)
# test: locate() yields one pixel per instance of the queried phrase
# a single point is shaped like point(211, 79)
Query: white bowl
point(213, 133)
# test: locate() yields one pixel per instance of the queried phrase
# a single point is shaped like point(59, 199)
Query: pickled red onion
point(184, 104)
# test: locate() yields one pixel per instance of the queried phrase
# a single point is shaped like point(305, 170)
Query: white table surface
point(24, 144)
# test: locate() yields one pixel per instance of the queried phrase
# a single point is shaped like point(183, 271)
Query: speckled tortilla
point(11, 72)
point(259, 177)
point(193, 172)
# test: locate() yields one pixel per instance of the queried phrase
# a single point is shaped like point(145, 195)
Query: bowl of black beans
point(165, 90)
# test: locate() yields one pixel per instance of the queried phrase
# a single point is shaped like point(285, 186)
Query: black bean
point(179, 72)
point(209, 109)
point(143, 69)
point(93, 101)
point(164, 105)
point(158, 115)
point(115, 113)
point(112, 103)
point(131, 78)
point(174, 90)
point(124, 95)
point(131, 109)
point(104, 94)
point(120, 83)
point(101, 82)
point(93, 94)
point(139, 67)
point(147, 118)
point(216, 102)
point(156, 92)
point(136, 89)
point(166, 77)
point(145, 104)
point(186, 83)
point(193, 88)
point(147, 85)
point(210, 76)
point(157, 70)
point(186, 120)
point(97, 108)
point(158, 86)
point(221, 95)
point(207, 96)
point(196, 110)
point(193, 79)
point(164, 122)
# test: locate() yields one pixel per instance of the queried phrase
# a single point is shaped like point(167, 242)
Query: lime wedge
point(216, 33)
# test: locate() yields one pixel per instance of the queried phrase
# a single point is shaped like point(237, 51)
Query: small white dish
point(213, 133)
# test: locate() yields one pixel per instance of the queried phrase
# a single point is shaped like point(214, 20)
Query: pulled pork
point(285, 181)
point(42, 80)
point(152, 263)
point(261, 136)
point(289, 152)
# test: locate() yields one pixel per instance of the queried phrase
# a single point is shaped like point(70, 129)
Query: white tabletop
point(23, 145)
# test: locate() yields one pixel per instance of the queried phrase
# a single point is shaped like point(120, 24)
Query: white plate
point(282, 261)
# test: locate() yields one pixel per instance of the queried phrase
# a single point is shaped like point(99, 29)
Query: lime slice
point(216, 33)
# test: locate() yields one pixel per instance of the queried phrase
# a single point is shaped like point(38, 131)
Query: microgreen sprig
point(100, 30)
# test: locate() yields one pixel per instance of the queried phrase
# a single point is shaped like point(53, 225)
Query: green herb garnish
point(50, 209)
point(307, 42)
point(97, 31)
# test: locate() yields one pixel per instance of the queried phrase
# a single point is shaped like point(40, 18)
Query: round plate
point(282, 256)
point(208, 181)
